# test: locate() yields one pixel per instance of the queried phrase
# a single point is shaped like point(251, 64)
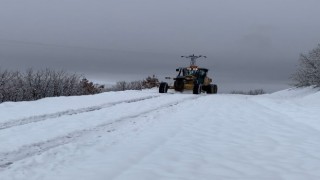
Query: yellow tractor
point(191, 78)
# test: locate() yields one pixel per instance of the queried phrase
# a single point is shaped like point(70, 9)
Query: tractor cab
point(196, 73)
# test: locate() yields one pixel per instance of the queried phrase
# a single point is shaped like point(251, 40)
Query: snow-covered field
point(143, 135)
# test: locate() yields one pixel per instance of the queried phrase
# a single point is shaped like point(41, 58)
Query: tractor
point(191, 78)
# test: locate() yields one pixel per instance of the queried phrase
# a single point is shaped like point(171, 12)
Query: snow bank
point(16, 110)
point(145, 135)
point(296, 93)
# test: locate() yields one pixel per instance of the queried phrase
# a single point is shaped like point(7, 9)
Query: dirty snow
point(144, 135)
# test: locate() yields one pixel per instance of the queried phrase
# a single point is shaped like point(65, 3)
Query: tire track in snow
point(8, 158)
point(38, 118)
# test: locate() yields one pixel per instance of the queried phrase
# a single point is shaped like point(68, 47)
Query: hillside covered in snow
point(145, 135)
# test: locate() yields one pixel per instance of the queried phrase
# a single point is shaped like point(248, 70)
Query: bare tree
point(136, 85)
point(121, 85)
point(308, 72)
point(150, 82)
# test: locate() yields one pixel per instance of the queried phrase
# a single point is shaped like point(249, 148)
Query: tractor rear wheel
point(209, 89)
point(163, 88)
point(197, 88)
point(215, 89)
point(212, 89)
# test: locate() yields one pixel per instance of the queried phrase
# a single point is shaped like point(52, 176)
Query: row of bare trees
point(33, 85)
point(251, 92)
point(149, 82)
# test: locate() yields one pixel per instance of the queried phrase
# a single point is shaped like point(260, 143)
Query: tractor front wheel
point(163, 88)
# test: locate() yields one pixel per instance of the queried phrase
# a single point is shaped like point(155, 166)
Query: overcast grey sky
point(249, 43)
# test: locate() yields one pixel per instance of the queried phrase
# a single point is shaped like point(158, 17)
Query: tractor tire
point(163, 88)
point(209, 89)
point(197, 88)
point(212, 89)
point(179, 85)
point(215, 89)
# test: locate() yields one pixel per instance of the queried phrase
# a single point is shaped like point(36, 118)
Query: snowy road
point(146, 135)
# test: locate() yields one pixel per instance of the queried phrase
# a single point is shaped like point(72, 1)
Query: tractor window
point(188, 72)
point(202, 73)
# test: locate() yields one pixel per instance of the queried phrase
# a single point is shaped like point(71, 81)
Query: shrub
point(251, 92)
point(33, 85)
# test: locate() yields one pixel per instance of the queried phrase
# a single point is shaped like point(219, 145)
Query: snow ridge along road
point(29, 150)
point(33, 119)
